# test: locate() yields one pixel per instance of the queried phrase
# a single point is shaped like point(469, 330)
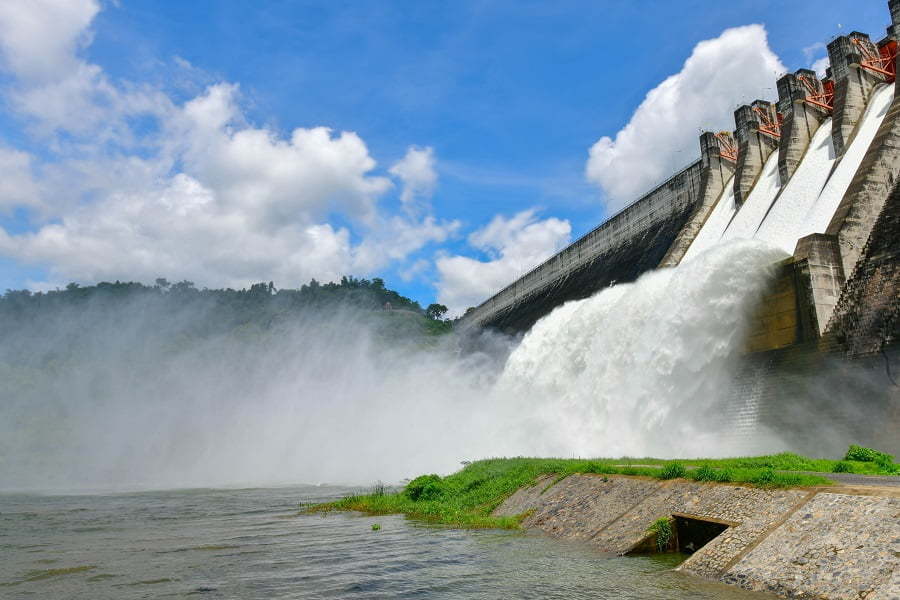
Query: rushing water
point(782, 214)
point(253, 544)
point(640, 369)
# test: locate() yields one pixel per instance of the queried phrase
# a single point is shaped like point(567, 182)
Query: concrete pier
point(868, 191)
point(801, 119)
point(716, 172)
point(754, 146)
point(853, 86)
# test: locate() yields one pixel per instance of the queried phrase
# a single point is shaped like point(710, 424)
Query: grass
point(467, 498)
point(786, 461)
point(662, 527)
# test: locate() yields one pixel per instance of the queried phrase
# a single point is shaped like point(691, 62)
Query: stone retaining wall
point(791, 542)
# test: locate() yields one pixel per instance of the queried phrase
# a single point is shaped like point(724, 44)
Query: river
point(254, 543)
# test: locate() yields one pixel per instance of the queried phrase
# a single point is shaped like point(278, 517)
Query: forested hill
point(183, 309)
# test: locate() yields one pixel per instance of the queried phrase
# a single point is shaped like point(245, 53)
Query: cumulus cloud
point(514, 246)
point(820, 66)
point(734, 68)
point(17, 184)
point(301, 178)
point(204, 195)
point(38, 38)
point(416, 170)
point(817, 58)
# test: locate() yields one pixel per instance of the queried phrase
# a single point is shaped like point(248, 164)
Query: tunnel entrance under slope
point(686, 534)
point(692, 533)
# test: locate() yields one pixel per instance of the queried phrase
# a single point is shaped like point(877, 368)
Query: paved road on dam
point(854, 479)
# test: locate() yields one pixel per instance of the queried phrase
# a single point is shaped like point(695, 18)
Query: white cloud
point(821, 66)
point(208, 196)
point(734, 68)
point(38, 38)
point(39, 44)
point(300, 179)
point(416, 170)
point(515, 245)
point(17, 185)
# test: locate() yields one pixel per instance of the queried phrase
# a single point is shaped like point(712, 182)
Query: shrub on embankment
point(468, 497)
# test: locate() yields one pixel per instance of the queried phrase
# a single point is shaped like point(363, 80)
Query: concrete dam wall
point(821, 161)
point(816, 174)
point(630, 243)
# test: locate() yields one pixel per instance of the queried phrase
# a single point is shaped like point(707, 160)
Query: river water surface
point(252, 543)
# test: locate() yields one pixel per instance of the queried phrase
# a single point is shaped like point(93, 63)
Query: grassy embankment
point(467, 498)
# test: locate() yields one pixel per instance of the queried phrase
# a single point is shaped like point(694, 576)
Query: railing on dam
point(670, 197)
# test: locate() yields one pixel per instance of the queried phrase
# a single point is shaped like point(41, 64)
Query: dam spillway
point(816, 175)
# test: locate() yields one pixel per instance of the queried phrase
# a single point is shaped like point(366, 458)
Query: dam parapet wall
point(655, 219)
point(831, 543)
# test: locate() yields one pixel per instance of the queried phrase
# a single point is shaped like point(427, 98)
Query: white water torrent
point(635, 369)
point(711, 232)
point(782, 225)
point(820, 213)
point(751, 213)
point(782, 215)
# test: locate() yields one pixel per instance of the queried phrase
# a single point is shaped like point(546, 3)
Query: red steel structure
point(767, 125)
point(727, 147)
point(882, 62)
point(823, 99)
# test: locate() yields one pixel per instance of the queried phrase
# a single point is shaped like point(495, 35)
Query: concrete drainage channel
point(834, 542)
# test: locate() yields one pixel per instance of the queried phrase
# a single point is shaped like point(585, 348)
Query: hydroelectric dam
point(816, 174)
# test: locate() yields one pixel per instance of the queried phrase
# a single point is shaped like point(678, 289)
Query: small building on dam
point(816, 173)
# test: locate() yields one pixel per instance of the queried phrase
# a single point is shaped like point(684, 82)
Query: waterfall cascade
point(634, 369)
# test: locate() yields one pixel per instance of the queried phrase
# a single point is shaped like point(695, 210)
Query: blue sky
point(508, 96)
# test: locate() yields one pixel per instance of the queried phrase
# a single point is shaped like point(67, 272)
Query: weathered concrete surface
point(754, 147)
point(853, 87)
point(835, 546)
point(801, 120)
point(619, 250)
point(868, 191)
point(867, 317)
point(809, 543)
point(717, 172)
point(820, 276)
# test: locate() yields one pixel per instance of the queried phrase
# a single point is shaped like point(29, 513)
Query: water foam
point(638, 369)
point(781, 215)
point(820, 213)
point(751, 213)
point(711, 232)
point(783, 225)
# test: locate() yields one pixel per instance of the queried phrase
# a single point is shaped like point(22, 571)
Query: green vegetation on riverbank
point(468, 497)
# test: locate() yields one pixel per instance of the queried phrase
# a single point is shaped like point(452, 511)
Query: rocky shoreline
point(832, 543)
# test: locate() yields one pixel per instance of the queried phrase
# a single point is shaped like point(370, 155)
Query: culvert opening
point(678, 533)
point(692, 534)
